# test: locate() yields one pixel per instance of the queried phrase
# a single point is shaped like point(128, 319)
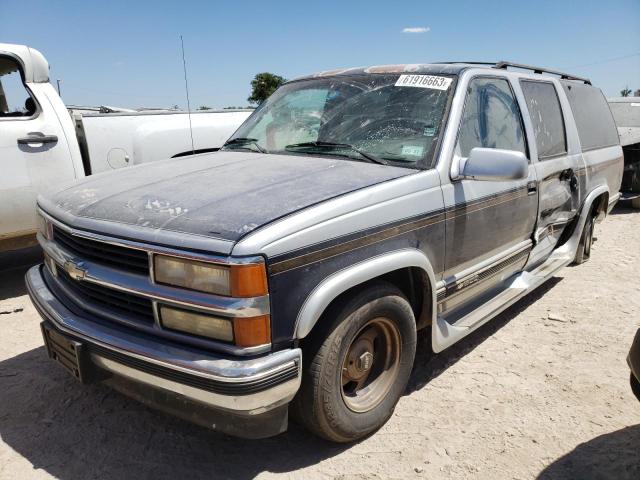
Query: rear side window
point(491, 117)
point(546, 116)
point(596, 128)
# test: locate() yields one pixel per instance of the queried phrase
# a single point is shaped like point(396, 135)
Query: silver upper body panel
point(424, 191)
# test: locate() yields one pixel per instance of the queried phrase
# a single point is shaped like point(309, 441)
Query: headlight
point(228, 280)
point(44, 226)
point(244, 332)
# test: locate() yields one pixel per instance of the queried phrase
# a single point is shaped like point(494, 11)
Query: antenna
point(186, 87)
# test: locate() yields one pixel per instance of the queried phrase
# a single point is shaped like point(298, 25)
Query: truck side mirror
point(492, 164)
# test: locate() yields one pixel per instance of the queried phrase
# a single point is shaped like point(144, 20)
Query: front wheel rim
point(370, 365)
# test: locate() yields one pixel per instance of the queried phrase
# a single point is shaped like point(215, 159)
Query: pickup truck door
point(557, 169)
point(33, 153)
point(488, 223)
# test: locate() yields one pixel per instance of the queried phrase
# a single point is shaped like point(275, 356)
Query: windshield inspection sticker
point(424, 81)
point(415, 151)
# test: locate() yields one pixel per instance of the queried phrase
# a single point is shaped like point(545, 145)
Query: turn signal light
point(249, 280)
point(252, 331)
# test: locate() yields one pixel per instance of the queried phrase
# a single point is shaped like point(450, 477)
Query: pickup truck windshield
point(380, 118)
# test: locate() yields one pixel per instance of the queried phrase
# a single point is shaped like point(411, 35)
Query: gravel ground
point(540, 392)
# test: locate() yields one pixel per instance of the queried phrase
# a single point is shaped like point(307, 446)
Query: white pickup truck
point(42, 143)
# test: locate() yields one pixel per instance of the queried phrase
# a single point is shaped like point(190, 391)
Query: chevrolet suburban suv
point(290, 271)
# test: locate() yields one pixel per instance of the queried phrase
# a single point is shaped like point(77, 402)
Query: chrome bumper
point(247, 387)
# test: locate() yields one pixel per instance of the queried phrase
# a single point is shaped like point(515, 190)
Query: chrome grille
point(123, 258)
point(133, 307)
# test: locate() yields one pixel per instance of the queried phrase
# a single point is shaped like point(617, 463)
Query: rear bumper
point(626, 196)
point(227, 393)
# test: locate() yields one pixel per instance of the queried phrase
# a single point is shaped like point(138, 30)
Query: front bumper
point(182, 380)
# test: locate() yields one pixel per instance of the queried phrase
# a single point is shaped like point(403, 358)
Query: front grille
point(133, 307)
point(123, 258)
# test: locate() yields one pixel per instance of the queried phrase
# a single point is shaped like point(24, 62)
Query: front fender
point(341, 281)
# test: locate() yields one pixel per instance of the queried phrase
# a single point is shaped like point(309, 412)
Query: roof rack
point(565, 76)
point(505, 64)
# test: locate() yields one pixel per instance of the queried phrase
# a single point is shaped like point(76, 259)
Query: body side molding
point(354, 275)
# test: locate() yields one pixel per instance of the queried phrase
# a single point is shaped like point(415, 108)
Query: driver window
point(15, 100)
point(491, 118)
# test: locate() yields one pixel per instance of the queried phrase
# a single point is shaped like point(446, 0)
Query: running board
point(446, 334)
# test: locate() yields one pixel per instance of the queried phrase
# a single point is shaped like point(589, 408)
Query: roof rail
point(565, 76)
point(505, 64)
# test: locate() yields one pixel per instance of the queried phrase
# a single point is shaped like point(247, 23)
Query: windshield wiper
point(243, 141)
point(336, 146)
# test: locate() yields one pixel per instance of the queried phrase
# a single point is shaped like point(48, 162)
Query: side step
point(446, 334)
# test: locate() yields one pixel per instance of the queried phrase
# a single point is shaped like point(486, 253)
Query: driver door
point(488, 223)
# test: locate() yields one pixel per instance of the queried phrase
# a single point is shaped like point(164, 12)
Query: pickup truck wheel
point(356, 369)
point(586, 241)
point(635, 385)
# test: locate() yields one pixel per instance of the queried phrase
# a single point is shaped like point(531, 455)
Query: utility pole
point(58, 82)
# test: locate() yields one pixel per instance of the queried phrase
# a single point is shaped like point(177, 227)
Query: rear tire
point(635, 385)
point(586, 241)
point(357, 365)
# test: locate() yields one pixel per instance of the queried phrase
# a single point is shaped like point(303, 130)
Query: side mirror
point(493, 164)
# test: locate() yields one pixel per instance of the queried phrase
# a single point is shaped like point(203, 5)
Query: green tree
point(625, 92)
point(263, 85)
point(204, 107)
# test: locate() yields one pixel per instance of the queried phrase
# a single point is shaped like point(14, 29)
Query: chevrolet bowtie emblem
point(74, 270)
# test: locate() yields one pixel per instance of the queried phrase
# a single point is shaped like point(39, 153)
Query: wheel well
point(599, 206)
point(413, 282)
point(598, 210)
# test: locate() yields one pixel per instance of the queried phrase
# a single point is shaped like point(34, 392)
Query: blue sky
point(127, 53)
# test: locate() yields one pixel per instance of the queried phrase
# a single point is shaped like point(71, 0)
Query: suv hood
point(222, 195)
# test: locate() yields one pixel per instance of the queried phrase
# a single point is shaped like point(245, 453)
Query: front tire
point(357, 367)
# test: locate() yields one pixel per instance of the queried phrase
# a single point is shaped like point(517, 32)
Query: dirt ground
point(540, 392)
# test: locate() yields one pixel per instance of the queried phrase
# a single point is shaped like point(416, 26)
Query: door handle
point(35, 138)
point(532, 188)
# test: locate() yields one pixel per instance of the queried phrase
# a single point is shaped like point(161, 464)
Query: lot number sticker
point(424, 81)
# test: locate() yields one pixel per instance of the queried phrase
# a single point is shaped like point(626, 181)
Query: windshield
point(392, 119)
